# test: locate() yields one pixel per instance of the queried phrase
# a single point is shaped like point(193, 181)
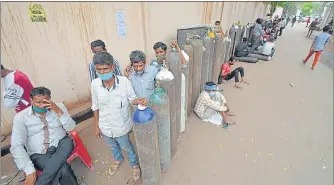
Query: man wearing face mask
point(160, 50)
point(142, 78)
point(112, 96)
point(39, 140)
point(211, 106)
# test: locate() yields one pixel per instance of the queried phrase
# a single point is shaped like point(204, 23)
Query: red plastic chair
point(79, 150)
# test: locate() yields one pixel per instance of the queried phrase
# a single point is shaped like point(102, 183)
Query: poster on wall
point(120, 24)
point(37, 13)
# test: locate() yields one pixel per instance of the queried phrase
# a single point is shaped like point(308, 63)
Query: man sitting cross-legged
point(39, 140)
point(211, 106)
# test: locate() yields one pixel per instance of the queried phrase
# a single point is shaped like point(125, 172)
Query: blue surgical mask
point(212, 93)
point(139, 72)
point(39, 110)
point(106, 76)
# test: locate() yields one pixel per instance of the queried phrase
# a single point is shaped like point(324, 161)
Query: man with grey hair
point(141, 77)
point(112, 96)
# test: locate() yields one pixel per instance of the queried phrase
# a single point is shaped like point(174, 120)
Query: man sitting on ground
point(228, 74)
point(268, 49)
point(39, 140)
point(211, 106)
point(242, 49)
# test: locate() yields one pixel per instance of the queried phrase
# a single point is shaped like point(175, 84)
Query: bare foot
point(230, 113)
point(245, 82)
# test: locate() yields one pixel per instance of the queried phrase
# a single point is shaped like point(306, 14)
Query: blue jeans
point(122, 142)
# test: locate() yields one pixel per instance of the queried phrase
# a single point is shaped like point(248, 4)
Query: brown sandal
point(136, 172)
point(114, 167)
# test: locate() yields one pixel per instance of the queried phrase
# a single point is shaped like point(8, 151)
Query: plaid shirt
point(204, 101)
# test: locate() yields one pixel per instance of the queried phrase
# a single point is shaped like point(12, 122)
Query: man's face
point(159, 52)
point(38, 101)
point(139, 66)
point(104, 68)
point(98, 49)
point(217, 24)
point(232, 62)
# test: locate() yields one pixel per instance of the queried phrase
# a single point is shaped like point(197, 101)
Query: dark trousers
point(280, 31)
point(54, 165)
point(309, 33)
point(235, 74)
point(255, 43)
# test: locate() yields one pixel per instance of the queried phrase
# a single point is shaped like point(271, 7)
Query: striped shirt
point(92, 71)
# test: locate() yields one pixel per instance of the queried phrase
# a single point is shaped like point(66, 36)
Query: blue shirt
point(320, 41)
point(144, 84)
point(257, 31)
point(92, 71)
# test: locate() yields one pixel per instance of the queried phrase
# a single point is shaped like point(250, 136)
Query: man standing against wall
point(17, 87)
point(96, 47)
point(112, 96)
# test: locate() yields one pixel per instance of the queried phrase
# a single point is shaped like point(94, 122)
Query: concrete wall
point(56, 54)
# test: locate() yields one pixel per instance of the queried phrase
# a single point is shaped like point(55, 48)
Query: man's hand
point(98, 132)
point(30, 179)
point(140, 101)
point(127, 70)
point(174, 44)
point(52, 106)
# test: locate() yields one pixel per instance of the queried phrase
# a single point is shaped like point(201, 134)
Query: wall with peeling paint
point(56, 54)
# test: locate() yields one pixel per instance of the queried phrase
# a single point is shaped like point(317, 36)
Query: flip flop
point(114, 167)
point(136, 172)
point(238, 87)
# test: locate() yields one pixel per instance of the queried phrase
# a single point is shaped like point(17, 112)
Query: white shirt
point(37, 134)
point(267, 47)
point(114, 106)
point(12, 92)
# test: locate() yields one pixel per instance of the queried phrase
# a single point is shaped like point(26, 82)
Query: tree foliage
point(306, 9)
point(275, 4)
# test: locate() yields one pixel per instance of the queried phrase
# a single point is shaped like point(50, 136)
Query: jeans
point(54, 165)
point(122, 142)
point(235, 74)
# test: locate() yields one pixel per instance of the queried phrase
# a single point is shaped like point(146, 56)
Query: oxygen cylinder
point(173, 59)
point(228, 48)
point(159, 102)
point(198, 52)
point(146, 136)
point(207, 62)
point(189, 77)
point(183, 103)
point(217, 57)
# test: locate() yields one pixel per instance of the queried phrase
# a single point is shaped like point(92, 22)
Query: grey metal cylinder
point(227, 48)
point(159, 102)
point(198, 52)
point(217, 58)
point(168, 87)
point(189, 77)
point(173, 59)
point(146, 137)
point(207, 61)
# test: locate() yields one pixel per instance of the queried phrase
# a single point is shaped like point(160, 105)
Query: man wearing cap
point(96, 47)
point(211, 106)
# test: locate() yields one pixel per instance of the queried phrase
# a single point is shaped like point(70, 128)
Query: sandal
point(136, 172)
point(226, 124)
point(114, 167)
point(238, 87)
point(230, 113)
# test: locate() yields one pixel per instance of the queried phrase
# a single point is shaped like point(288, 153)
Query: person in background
point(217, 24)
point(242, 49)
point(211, 106)
point(281, 24)
point(268, 49)
point(228, 74)
point(294, 19)
point(312, 27)
point(287, 20)
point(39, 140)
point(96, 47)
point(160, 50)
point(141, 77)
point(17, 87)
point(112, 97)
point(318, 46)
point(256, 35)
point(308, 21)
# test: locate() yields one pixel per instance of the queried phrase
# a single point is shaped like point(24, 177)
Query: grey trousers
point(53, 163)
point(255, 43)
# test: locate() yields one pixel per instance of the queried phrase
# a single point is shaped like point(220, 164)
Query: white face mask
point(212, 93)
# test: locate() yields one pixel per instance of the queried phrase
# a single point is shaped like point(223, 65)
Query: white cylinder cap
point(140, 107)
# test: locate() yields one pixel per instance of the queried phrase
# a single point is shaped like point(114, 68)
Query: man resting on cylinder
point(228, 74)
point(211, 106)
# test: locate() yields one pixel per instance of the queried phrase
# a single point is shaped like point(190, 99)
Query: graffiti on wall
point(37, 13)
point(120, 24)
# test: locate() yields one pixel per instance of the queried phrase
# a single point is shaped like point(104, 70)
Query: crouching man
point(211, 106)
point(39, 140)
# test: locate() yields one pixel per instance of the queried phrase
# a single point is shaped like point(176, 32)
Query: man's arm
point(66, 119)
point(92, 71)
point(18, 139)
point(12, 95)
point(216, 105)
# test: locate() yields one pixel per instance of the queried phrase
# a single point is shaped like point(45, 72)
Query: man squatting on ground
point(228, 74)
point(39, 140)
point(112, 96)
point(211, 106)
